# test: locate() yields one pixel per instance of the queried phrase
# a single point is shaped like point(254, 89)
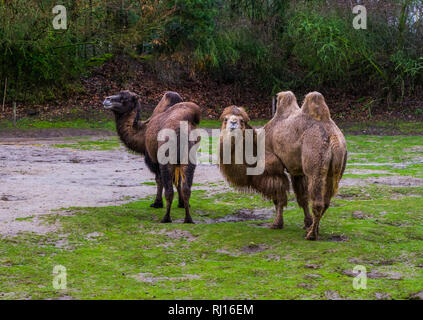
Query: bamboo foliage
point(260, 41)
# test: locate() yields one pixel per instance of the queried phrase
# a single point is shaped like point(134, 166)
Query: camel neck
point(133, 138)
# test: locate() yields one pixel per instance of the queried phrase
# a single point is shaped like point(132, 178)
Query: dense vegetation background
point(254, 46)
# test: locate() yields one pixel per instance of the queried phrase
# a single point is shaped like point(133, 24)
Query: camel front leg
point(278, 222)
point(158, 203)
point(186, 194)
point(299, 184)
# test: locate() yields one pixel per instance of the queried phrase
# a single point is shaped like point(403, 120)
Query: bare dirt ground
point(36, 178)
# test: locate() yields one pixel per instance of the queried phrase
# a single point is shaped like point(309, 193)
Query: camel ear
point(224, 113)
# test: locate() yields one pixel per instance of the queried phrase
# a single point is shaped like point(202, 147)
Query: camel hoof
point(311, 236)
point(276, 226)
point(166, 220)
point(189, 221)
point(156, 204)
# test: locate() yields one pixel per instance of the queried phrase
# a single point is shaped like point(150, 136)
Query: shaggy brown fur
point(313, 150)
point(272, 184)
point(142, 137)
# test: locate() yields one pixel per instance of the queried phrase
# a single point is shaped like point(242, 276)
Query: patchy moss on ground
point(216, 124)
point(105, 122)
point(376, 191)
point(29, 123)
point(384, 149)
point(124, 252)
point(94, 144)
point(377, 156)
point(392, 127)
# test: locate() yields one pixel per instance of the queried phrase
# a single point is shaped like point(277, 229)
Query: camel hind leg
point(316, 188)
point(299, 184)
point(185, 185)
point(180, 197)
point(167, 181)
point(316, 162)
point(332, 183)
point(322, 187)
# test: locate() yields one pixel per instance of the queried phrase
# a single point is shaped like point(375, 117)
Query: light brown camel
point(142, 137)
point(313, 150)
point(272, 183)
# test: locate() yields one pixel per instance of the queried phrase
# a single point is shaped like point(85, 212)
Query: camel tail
point(338, 163)
point(178, 175)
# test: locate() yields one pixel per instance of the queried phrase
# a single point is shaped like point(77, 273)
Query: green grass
point(395, 126)
point(394, 155)
point(218, 261)
point(380, 149)
point(27, 123)
point(215, 124)
point(79, 121)
point(98, 145)
point(123, 252)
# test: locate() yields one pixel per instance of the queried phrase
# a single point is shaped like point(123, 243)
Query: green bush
point(270, 44)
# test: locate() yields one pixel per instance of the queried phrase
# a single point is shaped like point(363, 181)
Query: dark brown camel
point(142, 137)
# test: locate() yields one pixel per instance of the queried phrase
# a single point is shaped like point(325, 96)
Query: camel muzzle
point(233, 126)
point(111, 101)
point(107, 103)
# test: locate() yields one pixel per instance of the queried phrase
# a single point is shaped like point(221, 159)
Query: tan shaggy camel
point(142, 137)
point(313, 150)
point(272, 184)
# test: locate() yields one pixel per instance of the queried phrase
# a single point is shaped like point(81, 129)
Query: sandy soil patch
point(36, 178)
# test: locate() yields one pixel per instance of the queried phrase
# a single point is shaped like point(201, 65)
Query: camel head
point(233, 118)
point(123, 102)
point(286, 103)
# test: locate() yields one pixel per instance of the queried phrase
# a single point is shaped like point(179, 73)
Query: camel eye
point(226, 120)
point(242, 121)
